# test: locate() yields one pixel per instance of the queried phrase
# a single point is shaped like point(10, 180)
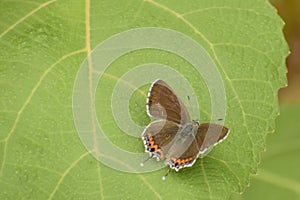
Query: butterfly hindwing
point(157, 135)
point(208, 135)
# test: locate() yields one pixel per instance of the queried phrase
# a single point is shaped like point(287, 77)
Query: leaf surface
point(43, 44)
point(278, 176)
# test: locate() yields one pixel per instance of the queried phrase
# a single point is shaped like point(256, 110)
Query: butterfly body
point(174, 136)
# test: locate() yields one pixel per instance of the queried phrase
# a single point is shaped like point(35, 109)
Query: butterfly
point(174, 136)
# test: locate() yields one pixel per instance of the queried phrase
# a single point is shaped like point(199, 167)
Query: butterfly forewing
point(208, 135)
point(163, 103)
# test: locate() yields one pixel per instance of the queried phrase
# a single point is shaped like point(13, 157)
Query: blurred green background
point(279, 175)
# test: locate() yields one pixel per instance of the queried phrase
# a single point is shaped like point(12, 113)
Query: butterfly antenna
point(143, 163)
point(190, 104)
point(219, 119)
point(189, 100)
point(165, 176)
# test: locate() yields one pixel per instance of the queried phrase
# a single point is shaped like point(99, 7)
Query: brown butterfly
point(175, 137)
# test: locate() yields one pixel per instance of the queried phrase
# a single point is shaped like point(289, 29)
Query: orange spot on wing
point(181, 161)
point(153, 145)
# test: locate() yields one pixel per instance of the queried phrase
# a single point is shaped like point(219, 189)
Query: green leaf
point(278, 176)
point(42, 47)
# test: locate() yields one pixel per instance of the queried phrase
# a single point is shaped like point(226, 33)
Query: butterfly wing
point(163, 103)
point(157, 135)
point(208, 135)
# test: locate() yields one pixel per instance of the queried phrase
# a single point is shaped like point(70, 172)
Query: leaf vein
point(25, 17)
point(66, 172)
point(19, 113)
